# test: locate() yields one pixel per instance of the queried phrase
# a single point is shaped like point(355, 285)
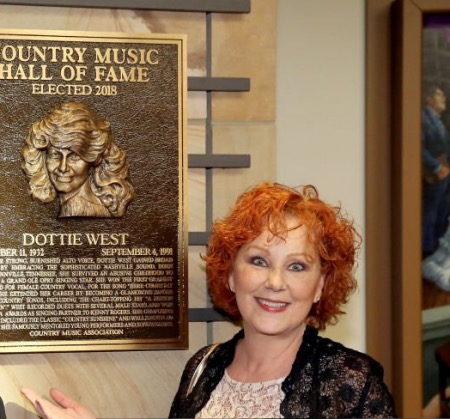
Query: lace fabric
point(327, 380)
point(233, 399)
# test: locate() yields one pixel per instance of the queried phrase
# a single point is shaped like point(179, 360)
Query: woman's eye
point(258, 261)
point(53, 156)
point(74, 157)
point(297, 267)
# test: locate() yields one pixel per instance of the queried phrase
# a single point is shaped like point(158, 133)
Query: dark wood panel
point(217, 6)
point(223, 161)
point(218, 84)
point(206, 315)
point(198, 238)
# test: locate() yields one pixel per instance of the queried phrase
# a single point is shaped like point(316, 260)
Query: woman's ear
point(231, 284)
point(319, 288)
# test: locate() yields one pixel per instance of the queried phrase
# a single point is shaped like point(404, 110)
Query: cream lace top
point(233, 399)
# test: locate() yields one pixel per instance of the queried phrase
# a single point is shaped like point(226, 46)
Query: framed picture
point(420, 199)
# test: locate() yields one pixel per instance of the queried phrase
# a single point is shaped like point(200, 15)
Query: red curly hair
point(265, 206)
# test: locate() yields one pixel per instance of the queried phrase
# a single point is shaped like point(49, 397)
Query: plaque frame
point(171, 340)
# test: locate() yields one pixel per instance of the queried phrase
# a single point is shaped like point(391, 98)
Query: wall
point(319, 105)
point(141, 384)
point(320, 116)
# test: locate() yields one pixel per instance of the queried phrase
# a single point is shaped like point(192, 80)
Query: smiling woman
point(281, 262)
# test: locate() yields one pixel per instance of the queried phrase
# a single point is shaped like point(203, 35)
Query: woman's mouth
point(64, 179)
point(271, 305)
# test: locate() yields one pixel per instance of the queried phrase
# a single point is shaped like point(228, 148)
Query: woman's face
point(66, 169)
point(276, 281)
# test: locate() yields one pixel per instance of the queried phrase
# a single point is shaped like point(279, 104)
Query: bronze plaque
point(92, 238)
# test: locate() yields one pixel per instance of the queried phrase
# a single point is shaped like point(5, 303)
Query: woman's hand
point(65, 407)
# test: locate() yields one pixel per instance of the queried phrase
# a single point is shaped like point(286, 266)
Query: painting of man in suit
point(435, 189)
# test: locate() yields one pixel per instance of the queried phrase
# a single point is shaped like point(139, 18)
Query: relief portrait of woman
point(70, 155)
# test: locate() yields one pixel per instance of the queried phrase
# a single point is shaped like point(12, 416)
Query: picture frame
point(406, 207)
point(399, 103)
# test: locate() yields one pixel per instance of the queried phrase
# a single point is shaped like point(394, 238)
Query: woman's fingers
point(33, 397)
point(63, 400)
point(67, 408)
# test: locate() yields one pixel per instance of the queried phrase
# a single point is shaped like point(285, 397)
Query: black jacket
point(2, 410)
point(327, 380)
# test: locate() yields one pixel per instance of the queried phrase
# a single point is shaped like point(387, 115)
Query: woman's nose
point(275, 280)
point(62, 167)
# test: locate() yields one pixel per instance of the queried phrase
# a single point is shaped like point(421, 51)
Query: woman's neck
point(263, 357)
